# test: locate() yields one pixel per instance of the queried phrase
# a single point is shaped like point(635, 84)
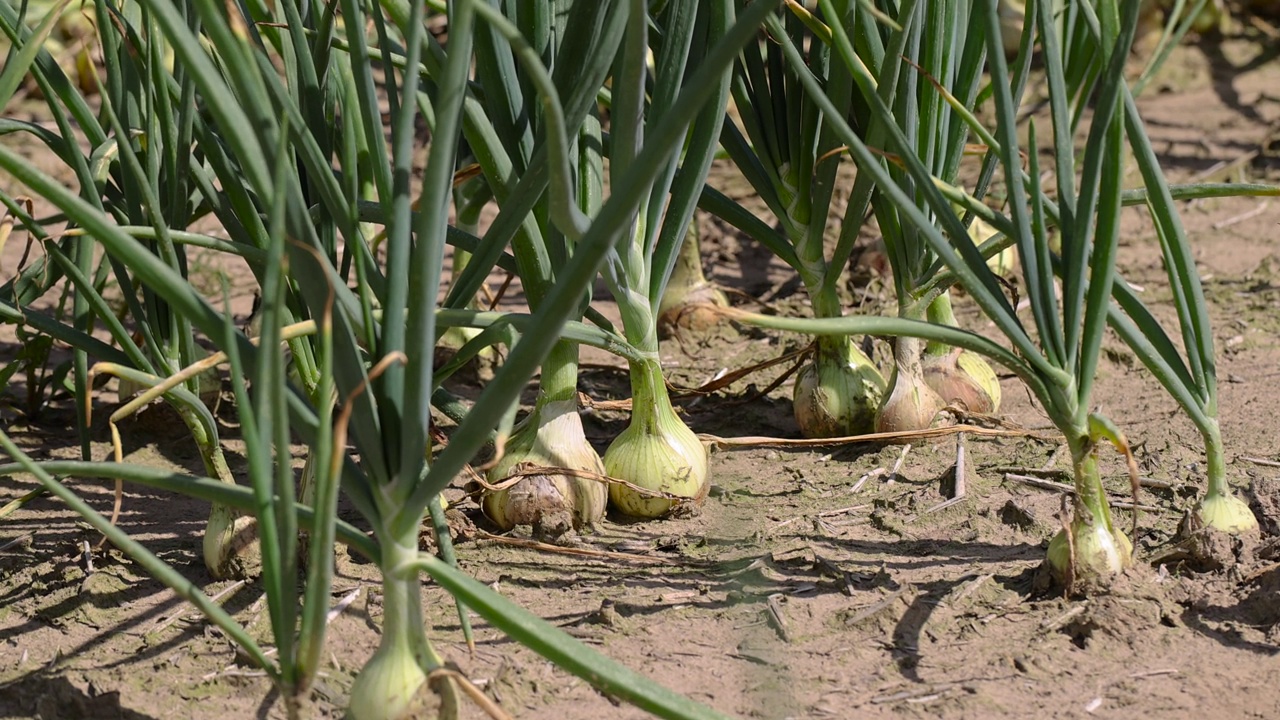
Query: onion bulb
point(230, 544)
point(657, 452)
point(1013, 13)
point(958, 376)
point(689, 301)
point(963, 378)
point(911, 404)
point(1220, 509)
point(692, 310)
point(838, 393)
point(394, 684)
point(1005, 262)
point(1096, 549)
point(550, 437)
point(1100, 552)
point(1226, 513)
point(389, 685)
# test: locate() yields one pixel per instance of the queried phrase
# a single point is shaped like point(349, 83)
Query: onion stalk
point(1188, 374)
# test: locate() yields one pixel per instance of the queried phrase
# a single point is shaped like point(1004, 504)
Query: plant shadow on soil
point(790, 594)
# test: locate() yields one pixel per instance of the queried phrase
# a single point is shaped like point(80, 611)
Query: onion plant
point(1057, 361)
point(780, 143)
point(939, 80)
point(518, 175)
point(372, 344)
point(660, 459)
point(511, 51)
point(1187, 374)
point(1191, 381)
point(1190, 375)
point(133, 171)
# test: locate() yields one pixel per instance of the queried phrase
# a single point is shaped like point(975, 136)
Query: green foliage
point(297, 129)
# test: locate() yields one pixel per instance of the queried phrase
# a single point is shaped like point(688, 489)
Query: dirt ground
point(815, 583)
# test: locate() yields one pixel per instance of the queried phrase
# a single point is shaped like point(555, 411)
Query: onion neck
point(686, 275)
point(908, 354)
point(1091, 500)
point(1216, 467)
point(627, 275)
point(825, 301)
point(833, 350)
point(229, 543)
point(799, 209)
point(687, 292)
point(402, 627)
point(388, 686)
point(939, 312)
point(559, 379)
point(650, 401)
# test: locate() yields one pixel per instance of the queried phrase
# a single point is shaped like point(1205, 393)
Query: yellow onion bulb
point(1212, 17)
point(1099, 552)
point(964, 378)
point(664, 456)
point(835, 397)
point(1003, 263)
point(689, 303)
point(910, 405)
point(551, 437)
point(1013, 14)
point(389, 686)
point(230, 544)
point(691, 310)
point(1226, 513)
